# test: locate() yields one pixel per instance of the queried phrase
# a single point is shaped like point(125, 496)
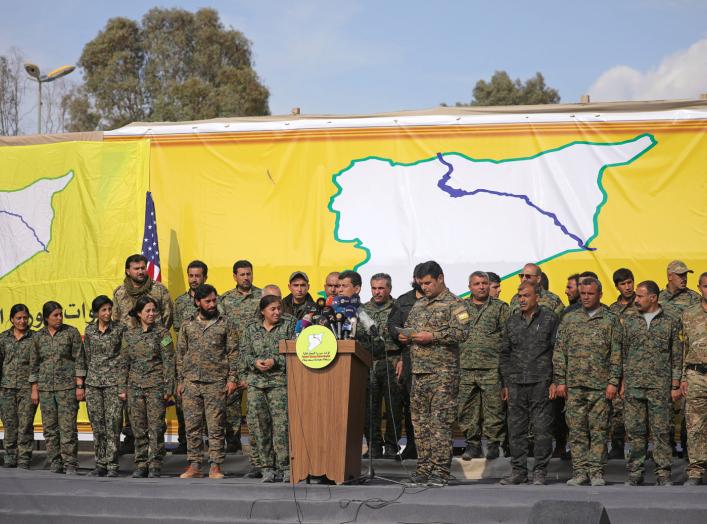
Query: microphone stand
point(371, 473)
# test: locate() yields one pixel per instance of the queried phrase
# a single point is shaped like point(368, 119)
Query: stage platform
point(39, 496)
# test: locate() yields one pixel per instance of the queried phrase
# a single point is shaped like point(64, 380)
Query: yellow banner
point(572, 196)
point(69, 215)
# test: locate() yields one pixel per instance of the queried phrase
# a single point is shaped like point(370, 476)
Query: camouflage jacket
point(526, 347)
point(446, 317)
point(482, 348)
point(547, 299)
point(588, 350)
point(383, 343)
point(56, 361)
point(623, 310)
point(103, 360)
point(694, 323)
point(184, 309)
point(676, 303)
point(239, 308)
point(149, 358)
point(123, 302)
point(652, 356)
point(14, 358)
point(259, 344)
point(207, 350)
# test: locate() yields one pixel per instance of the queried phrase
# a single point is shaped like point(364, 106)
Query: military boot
point(472, 451)
point(492, 451)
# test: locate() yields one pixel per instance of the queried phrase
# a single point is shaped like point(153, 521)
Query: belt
point(390, 353)
point(700, 368)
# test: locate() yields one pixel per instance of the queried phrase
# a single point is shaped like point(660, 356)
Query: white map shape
point(314, 341)
point(26, 217)
point(468, 214)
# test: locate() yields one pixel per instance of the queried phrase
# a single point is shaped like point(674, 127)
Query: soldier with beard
point(207, 373)
point(184, 309)
point(136, 284)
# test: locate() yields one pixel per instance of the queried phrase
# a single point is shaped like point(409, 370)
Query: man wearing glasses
point(531, 273)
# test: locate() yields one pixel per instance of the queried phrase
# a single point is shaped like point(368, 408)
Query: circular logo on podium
point(316, 347)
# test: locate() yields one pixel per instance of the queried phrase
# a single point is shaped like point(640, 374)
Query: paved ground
point(40, 496)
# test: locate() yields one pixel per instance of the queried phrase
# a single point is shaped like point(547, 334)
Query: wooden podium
point(326, 409)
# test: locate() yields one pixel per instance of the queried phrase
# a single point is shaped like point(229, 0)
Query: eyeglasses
point(524, 276)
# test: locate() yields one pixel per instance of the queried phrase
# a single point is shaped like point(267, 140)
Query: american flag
point(150, 246)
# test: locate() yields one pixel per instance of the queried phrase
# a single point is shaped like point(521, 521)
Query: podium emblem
point(316, 347)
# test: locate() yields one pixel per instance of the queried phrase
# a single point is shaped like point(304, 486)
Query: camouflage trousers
point(529, 406)
point(644, 410)
point(617, 430)
point(385, 389)
point(234, 421)
point(105, 412)
point(481, 410)
point(59, 409)
point(267, 421)
point(433, 403)
point(147, 409)
point(18, 412)
point(205, 403)
point(587, 412)
point(696, 420)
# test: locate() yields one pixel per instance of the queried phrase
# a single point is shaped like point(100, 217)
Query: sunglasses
point(524, 276)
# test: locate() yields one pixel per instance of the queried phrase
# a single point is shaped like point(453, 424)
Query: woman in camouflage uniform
point(148, 383)
point(105, 368)
point(57, 369)
point(266, 376)
point(16, 405)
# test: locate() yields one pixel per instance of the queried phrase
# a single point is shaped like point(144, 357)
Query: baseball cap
point(299, 274)
point(678, 267)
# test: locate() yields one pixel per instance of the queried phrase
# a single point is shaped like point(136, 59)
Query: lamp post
point(33, 72)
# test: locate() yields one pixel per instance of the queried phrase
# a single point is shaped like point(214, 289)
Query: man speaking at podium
point(437, 324)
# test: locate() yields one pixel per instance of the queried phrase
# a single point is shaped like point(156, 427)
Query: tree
point(12, 89)
point(502, 91)
point(173, 65)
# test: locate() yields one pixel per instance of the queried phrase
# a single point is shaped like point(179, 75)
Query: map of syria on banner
point(573, 192)
point(69, 215)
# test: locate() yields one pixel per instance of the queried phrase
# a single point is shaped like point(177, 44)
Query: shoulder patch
point(461, 314)
point(166, 341)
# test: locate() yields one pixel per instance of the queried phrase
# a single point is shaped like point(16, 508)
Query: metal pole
point(39, 105)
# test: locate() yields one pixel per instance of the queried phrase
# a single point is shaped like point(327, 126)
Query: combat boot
point(539, 477)
point(139, 473)
point(192, 472)
point(693, 481)
point(492, 451)
point(98, 472)
point(268, 476)
point(514, 479)
point(597, 480)
point(663, 480)
point(286, 476)
point(634, 480)
point(578, 480)
point(154, 473)
point(215, 472)
point(253, 473)
point(472, 451)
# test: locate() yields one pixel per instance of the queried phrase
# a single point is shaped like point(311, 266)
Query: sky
point(361, 57)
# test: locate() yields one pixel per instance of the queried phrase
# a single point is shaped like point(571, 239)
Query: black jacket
point(526, 351)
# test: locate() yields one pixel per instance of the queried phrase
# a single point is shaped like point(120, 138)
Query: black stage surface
point(40, 496)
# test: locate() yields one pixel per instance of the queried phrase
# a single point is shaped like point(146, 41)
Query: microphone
point(367, 323)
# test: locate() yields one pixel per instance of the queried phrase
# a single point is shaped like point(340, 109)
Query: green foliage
point(173, 65)
point(502, 91)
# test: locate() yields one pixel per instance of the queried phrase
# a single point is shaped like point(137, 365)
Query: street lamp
point(33, 72)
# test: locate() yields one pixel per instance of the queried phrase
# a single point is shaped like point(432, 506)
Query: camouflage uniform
point(267, 392)
point(55, 362)
point(149, 376)
point(547, 299)
point(587, 358)
point(16, 404)
point(435, 382)
point(125, 296)
point(652, 357)
point(240, 309)
point(675, 304)
point(480, 379)
point(694, 320)
point(206, 358)
point(105, 371)
point(526, 370)
point(617, 430)
point(184, 309)
point(386, 355)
